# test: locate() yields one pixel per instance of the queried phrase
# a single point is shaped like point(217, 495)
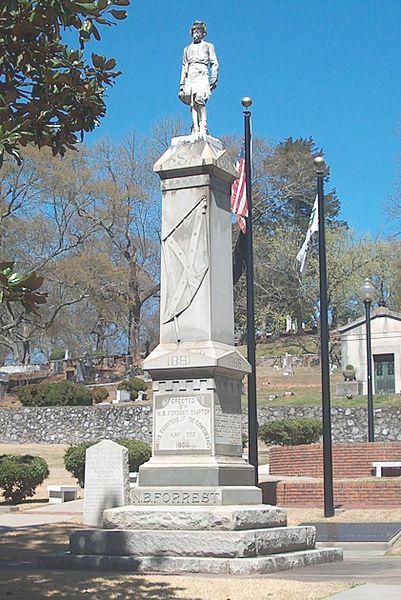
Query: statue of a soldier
point(195, 85)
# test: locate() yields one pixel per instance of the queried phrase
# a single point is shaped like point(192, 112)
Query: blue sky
point(320, 68)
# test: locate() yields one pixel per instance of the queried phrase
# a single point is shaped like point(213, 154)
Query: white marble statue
point(196, 85)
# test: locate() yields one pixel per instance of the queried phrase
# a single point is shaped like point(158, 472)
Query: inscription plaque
point(227, 427)
point(182, 424)
point(176, 496)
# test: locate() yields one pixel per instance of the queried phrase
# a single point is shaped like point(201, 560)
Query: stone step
point(215, 544)
point(174, 564)
point(259, 516)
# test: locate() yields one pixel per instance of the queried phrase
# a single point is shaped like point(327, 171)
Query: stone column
point(196, 370)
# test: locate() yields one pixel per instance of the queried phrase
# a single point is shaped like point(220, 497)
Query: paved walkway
point(370, 592)
point(50, 513)
point(364, 564)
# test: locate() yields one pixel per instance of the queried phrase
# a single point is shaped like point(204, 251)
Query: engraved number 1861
point(178, 360)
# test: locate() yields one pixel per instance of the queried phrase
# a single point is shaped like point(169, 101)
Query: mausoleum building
point(386, 350)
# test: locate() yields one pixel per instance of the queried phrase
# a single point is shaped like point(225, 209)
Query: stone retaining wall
point(73, 424)
point(348, 424)
point(67, 425)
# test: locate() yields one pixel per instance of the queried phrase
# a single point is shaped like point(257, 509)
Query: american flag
point(239, 204)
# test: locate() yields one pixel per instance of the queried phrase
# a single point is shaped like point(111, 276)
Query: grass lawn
point(304, 389)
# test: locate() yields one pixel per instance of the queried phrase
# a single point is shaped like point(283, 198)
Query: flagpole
point(251, 351)
point(324, 347)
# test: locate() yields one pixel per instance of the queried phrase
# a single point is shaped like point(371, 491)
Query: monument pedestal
point(196, 370)
point(237, 540)
point(196, 507)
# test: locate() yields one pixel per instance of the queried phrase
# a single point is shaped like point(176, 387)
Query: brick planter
point(347, 494)
point(349, 460)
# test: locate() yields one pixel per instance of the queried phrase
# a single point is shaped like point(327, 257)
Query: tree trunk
point(26, 352)
point(134, 309)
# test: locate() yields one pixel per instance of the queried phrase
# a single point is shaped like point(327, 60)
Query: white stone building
point(386, 350)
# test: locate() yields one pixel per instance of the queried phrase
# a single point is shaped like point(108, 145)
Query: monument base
point(238, 540)
point(349, 388)
point(199, 471)
point(196, 495)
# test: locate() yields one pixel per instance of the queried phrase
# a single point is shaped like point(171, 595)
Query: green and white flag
point(313, 226)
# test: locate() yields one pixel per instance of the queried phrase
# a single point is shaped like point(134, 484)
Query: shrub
point(74, 460)
point(62, 393)
point(138, 452)
point(57, 354)
point(100, 394)
point(74, 457)
point(291, 432)
point(27, 394)
point(20, 475)
point(132, 385)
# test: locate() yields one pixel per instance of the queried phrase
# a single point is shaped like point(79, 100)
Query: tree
point(291, 183)
point(284, 189)
point(127, 218)
point(92, 230)
point(49, 93)
point(40, 228)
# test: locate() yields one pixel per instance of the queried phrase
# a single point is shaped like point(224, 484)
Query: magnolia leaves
point(50, 95)
point(16, 286)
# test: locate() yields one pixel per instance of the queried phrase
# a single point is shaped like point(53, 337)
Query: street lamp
point(367, 294)
point(320, 169)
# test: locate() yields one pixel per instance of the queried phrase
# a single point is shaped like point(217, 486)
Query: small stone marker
point(106, 480)
point(122, 396)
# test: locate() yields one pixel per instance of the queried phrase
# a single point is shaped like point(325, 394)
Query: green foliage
point(20, 475)
point(74, 460)
point(48, 92)
point(244, 440)
point(138, 452)
point(57, 354)
point(291, 432)
point(100, 394)
point(74, 457)
point(132, 385)
point(99, 354)
point(62, 393)
point(20, 286)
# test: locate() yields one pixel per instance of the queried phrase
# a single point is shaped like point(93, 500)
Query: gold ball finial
point(246, 101)
point(319, 163)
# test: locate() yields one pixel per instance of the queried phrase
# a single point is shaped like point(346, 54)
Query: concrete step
point(216, 544)
point(174, 564)
point(258, 516)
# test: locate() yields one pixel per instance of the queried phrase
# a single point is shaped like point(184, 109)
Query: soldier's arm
point(214, 66)
point(184, 69)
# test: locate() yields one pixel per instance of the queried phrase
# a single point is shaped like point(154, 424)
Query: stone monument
point(106, 480)
point(197, 507)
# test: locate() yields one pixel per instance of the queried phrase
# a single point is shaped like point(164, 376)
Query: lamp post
point(367, 295)
point(320, 169)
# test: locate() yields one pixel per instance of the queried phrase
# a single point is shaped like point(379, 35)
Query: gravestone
point(287, 365)
point(106, 480)
point(122, 396)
